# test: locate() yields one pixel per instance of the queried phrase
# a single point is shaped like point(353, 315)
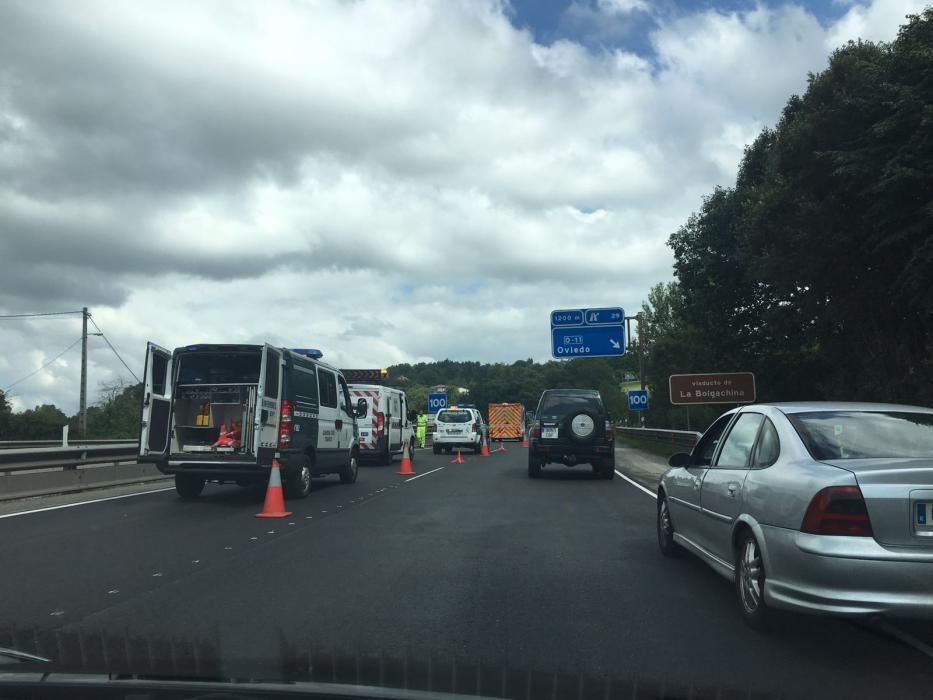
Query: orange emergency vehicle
point(506, 421)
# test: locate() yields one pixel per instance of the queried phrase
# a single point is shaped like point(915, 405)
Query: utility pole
point(82, 401)
point(641, 360)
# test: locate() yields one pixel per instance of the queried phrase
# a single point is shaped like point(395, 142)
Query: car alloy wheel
point(750, 575)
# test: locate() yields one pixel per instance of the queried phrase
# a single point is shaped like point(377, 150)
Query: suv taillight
point(837, 510)
point(285, 424)
point(536, 431)
point(476, 427)
point(608, 431)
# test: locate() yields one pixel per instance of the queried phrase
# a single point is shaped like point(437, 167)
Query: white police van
point(458, 427)
point(222, 413)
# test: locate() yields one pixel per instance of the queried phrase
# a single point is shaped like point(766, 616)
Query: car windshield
point(219, 368)
point(832, 435)
point(454, 417)
point(558, 405)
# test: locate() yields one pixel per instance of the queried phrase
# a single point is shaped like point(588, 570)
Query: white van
point(388, 424)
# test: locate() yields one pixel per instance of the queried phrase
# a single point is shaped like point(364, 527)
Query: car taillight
point(285, 424)
point(837, 510)
point(476, 427)
point(608, 431)
point(380, 422)
point(536, 431)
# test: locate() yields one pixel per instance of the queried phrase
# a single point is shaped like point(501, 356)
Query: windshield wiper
point(16, 655)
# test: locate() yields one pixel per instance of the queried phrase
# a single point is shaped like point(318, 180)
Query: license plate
point(549, 433)
point(924, 512)
point(455, 432)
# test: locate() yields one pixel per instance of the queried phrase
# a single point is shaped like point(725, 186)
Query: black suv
point(572, 427)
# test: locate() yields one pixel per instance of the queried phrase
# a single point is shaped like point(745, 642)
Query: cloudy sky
point(389, 181)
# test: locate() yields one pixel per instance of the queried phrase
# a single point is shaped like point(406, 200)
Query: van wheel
point(188, 487)
point(298, 484)
point(349, 471)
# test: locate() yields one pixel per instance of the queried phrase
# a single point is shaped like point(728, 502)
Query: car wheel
point(298, 484)
point(750, 582)
point(534, 468)
point(349, 470)
point(609, 469)
point(669, 547)
point(189, 487)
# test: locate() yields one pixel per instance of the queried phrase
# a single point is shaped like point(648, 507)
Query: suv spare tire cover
point(581, 426)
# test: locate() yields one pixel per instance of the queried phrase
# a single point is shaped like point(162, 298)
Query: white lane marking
point(637, 485)
point(85, 503)
point(425, 474)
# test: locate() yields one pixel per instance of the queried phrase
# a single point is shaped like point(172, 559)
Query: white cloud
point(871, 21)
point(388, 181)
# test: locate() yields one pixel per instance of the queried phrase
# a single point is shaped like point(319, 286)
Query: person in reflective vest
point(422, 428)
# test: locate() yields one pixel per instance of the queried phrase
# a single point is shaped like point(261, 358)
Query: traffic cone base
point(405, 469)
point(459, 459)
point(501, 447)
point(274, 506)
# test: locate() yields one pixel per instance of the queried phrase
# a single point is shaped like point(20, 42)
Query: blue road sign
point(638, 400)
point(568, 317)
point(436, 402)
point(587, 333)
point(587, 341)
point(605, 317)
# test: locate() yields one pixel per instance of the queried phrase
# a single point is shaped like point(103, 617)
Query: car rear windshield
point(219, 368)
point(832, 435)
point(454, 417)
point(560, 405)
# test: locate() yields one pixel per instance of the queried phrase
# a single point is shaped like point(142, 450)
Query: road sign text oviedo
point(729, 387)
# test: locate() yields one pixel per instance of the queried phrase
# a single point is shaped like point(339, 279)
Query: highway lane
point(473, 561)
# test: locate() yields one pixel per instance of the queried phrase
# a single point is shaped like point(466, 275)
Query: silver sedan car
point(816, 507)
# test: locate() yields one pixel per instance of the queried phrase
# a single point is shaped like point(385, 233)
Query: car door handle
point(733, 486)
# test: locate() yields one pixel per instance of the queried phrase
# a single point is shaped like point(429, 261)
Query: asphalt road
point(473, 564)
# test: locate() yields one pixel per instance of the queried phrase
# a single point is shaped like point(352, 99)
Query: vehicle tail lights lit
point(285, 424)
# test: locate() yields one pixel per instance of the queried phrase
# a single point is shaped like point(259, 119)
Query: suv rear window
point(561, 405)
point(219, 368)
point(454, 417)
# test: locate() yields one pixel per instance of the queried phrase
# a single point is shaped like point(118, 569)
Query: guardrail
point(20, 444)
point(687, 438)
point(40, 471)
point(71, 457)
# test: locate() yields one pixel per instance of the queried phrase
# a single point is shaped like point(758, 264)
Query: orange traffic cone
point(459, 459)
point(484, 452)
point(405, 469)
point(274, 507)
point(524, 439)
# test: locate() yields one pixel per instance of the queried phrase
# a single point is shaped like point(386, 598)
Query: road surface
point(468, 573)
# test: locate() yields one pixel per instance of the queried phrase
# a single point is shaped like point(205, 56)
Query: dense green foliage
point(815, 270)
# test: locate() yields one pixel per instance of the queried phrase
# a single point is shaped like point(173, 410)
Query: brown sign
point(730, 387)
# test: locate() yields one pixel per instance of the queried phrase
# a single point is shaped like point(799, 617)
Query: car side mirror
point(362, 408)
point(681, 459)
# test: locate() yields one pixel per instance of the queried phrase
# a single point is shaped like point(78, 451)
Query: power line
point(11, 317)
point(23, 379)
point(110, 345)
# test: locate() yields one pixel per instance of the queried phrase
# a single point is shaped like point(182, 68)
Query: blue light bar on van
point(192, 348)
point(309, 352)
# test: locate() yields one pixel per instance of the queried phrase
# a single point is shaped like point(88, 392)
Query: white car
point(458, 428)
